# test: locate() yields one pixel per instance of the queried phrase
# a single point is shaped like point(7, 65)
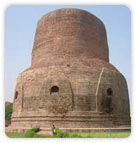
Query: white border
point(4, 4)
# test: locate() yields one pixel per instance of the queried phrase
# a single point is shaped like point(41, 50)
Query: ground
point(121, 134)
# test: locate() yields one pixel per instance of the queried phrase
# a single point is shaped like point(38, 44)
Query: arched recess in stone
point(54, 89)
point(57, 95)
point(16, 95)
point(109, 92)
point(112, 85)
point(109, 100)
point(105, 91)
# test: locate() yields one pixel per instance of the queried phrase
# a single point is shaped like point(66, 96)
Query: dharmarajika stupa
point(70, 82)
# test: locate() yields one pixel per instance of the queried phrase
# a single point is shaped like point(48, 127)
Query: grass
point(15, 135)
point(103, 134)
point(120, 134)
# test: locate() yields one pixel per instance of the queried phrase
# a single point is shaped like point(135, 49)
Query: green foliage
point(29, 134)
point(32, 133)
point(15, 135)
point(60, 134)
point(76, 135)
point(8, 111)
point(36, 129)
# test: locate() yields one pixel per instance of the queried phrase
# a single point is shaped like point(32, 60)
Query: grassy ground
point(15, 135)
point(120, 134)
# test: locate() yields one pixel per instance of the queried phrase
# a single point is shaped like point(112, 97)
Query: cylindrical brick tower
point(71, 83)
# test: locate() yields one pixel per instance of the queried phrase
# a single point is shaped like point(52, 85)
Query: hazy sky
point(20, 26)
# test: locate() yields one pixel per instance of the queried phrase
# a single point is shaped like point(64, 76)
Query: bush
point(32, 132)
point(36, 129)
point(8, 111)
point(60, 134)
point(29, 133)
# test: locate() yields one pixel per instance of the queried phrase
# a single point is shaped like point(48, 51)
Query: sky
point(20, 26)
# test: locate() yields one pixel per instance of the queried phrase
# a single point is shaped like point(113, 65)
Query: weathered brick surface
point(67, 35)
point(70, 54)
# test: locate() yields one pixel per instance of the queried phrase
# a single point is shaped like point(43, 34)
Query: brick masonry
point(71, 83)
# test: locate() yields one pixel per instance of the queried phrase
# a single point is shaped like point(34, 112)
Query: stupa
point(70, 82)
